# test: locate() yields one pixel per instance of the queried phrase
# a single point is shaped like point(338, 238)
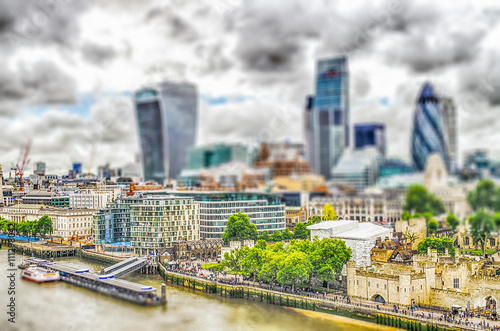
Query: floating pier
point(108, 284)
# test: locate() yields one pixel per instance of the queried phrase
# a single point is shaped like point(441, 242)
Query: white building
point(65, 222)
point(360, 237)
point(93, 200)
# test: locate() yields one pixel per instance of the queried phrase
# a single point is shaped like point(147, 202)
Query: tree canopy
point(419, 200)
point(297, 261)
point(439, 244)
point(484, 196)
point(452, 222)
point(239, 228)
point(432, 226)
point(300, 231)
point(482, 224)
point(329, 214)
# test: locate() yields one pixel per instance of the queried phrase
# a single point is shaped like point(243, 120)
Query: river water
point(61, 306)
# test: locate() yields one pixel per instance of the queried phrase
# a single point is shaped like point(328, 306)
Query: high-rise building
point(450, 121)
point(166, 117)
point(40, 168)
point(370, 135)
point(428, 135)
point(217, 154)
point(357, 168)
point(327, 115)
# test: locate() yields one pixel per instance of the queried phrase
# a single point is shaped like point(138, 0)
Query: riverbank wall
point(356, 310)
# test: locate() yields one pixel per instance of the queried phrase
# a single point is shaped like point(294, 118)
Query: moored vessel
point(40, 275)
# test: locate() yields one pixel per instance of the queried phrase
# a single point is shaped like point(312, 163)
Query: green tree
point(287, 234)
point(313, 220)
point(44, 226)
point(439, 244)
point(239, 228)
point(419, 200)
point(277, 236)
point(484, 196)
point(329, 213)
point(296, 267)
point(482, 225)
point(23, 228)
point(428, 216)
point(333, 255)
point(300, 231)
point(261, 244)
point(405, 216)
point(432, 226)
point(452, 222)
point(34, 228)
point(264, 236)
point(273, 261)
point(233, 259)
point(252, 263)
point(496, 219)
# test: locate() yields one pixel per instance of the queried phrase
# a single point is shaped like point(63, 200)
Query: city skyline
point(87, 68)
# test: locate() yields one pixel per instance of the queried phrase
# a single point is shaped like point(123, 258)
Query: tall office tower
point(428, 135)
point(327, 115)
point(166, 117)
point(40, 168)
point(450, 123)
point(370, 135)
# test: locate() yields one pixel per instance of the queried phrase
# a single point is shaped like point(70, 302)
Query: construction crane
point(20, 169)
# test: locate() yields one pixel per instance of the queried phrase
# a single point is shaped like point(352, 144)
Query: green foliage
point(264, 236)
point(453, 222)
point(253, 261)
point(428, 216)
point(287, 234)
point(432, 226)
point(300, 231)
point(330, 257)
point(419, 200)
point(329, 213)
point(439, 244)
point(44, 226)
point(405, 216)
point(294, 262)
point(261, 244)
point(482, 224)
point(313, 220)
point(296, 267)
point(484, 196)
point(277, 236)
point(239, 228)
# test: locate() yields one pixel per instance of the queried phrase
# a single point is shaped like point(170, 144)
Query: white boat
point(40, 275)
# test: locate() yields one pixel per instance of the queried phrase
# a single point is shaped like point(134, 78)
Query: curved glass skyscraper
point(166, 118)
point(428, 135)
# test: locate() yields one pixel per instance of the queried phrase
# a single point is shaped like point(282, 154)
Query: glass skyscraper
point(327, 115)
point(371, 134)
point(428, 135)
point(166, 118)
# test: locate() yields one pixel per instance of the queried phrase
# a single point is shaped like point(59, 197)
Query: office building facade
point(166, 117)
point(327, 115)
point(218, 154)
point(450, 121)
point(428, 134)
point(158, 221)
point(370, 135)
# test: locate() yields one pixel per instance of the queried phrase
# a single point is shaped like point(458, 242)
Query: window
point(385, 286)
point(456, 283)
point(368, 284)
point(397, 289)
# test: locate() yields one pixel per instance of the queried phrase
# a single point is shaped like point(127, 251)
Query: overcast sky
point(67, 69)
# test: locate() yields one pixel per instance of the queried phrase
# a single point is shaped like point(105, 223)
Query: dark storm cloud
point(175, 26)
point(98, 54)
point(25, 22)
point(41, 83)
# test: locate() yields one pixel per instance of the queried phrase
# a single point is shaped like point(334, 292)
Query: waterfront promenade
point(421, 315)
